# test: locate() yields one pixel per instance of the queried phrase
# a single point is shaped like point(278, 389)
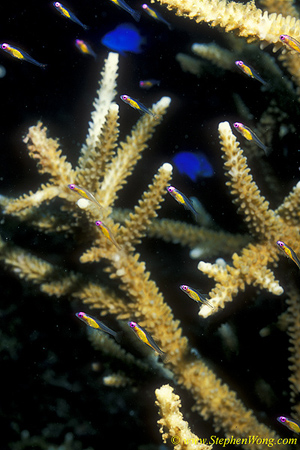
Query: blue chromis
point(182, 199)
point(289, 252)
point(17, 53)
point(145, 337)
point(249, 135)
point(195, 295)
point(94, 323)
point(68, 14)
point(193, 165)
point(107, 233)
point(122, 4)
point(84, 193)
point(155, 15)
point(249, 71)
point(136, 105)
point(85, 48)
point(124, 38)
point(290, 42)
point(289, 423)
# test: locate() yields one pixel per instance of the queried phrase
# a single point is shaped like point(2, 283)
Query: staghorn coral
point(103, 167)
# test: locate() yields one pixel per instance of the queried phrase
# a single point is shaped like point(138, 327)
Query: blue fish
point(193, 165)
point(124, 38)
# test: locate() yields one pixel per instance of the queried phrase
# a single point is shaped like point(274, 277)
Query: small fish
point(68, 14)
point(85, 48)
point(155, 15)
point(16, 52)
point(250, 135)
point(136, 15)
point(107, 233)
point(147, 84)
point(289, 423)
point(289, 252)
point(290, 42)
point(84, 193)
point(124, 38)
point(136, 105)
point(193, 165)
point(249, 71)
point(182, 199)
point(195, 295)
point(94, 323)
point(145, 337)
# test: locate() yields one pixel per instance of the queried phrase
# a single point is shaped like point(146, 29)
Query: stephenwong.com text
point(269, 442)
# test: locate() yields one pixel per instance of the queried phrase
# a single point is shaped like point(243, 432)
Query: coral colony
point(104, 168)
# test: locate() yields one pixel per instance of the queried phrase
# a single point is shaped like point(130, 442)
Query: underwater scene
point(150, 220)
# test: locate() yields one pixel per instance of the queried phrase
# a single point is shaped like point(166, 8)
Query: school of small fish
point(193, 164)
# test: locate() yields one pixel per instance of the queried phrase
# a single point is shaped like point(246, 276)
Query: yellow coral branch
point(172, 425)
point(247, 20)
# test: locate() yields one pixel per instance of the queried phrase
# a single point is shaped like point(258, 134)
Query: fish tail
point(164, 357)
point(118, 336)
point(136, 15)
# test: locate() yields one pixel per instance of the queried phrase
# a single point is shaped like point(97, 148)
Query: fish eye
point(184, 287)
point(282, 419)
point(72, 186)
point(144, 6)
point(131, 324)
point(170, 189)
point(239, 63)
point(280, 243)
point(98, 223)
point(124, 97)
point(4, 46)
point(56, 4)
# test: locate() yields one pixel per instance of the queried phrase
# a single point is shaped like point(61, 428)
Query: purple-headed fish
point(249, 71)
point(182, 199)
point(68, 14)
point(94, 323)
point(136, 105)
point(84, 193)
point(136, 15)
point(289, 252)
point(249, 135)
point(290, 42)
point(85, 48)
point(147, 84)
point(195, 295)
point(155, 15)
point(145, 337)
point(107, 233)
point(289, 423)
point(17, 53)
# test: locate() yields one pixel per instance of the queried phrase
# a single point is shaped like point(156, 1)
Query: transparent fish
point(289, 423)
point(122, 4)
point(68, 14)
point(289, 252)
point(18, 53)
point(85, 48)
point(145, 337)
point(96, 324)
point(249, 71)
